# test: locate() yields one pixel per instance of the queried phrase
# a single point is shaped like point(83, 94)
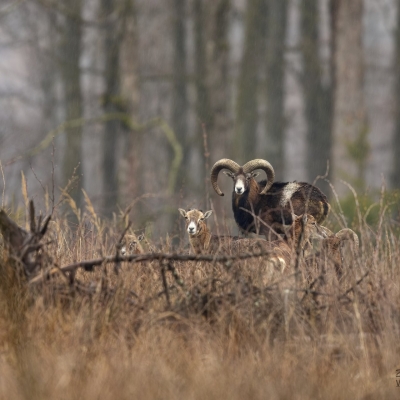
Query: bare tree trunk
point(130, 180)
point(350, 149)
point(275, 123)
point(248, 82)
point(395, 177)
point(70, 74)
point(204, 113)
point(212, 82)
point(318, 97)
point(48, 64)
point(112, 102)
point(219, 78)
point(180, 101)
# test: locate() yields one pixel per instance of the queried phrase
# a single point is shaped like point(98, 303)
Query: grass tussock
point(194, 329)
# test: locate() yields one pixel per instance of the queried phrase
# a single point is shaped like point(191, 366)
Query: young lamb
point(278, 252)
point(131, 244)
point(332, 251)
point(200, 237)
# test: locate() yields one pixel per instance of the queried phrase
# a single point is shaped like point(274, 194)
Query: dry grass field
point(176, 329)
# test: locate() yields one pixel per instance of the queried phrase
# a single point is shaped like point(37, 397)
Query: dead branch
point(89, 264)
point(23, 246)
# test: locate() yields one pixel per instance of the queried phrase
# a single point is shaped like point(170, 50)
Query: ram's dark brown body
point(260, 206)
point(270, 209)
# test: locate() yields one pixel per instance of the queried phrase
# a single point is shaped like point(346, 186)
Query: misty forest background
point(138, 99)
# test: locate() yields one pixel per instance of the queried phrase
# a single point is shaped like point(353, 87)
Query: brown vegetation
point(200, 326)
point(332, 253)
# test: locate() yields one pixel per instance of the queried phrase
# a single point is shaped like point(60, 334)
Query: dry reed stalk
point(201, 327)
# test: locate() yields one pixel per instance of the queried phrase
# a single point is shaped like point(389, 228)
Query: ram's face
point(241, 180)
point(194, 220)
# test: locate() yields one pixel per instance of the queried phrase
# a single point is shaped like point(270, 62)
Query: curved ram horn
point(265, 166)
point(224, 163)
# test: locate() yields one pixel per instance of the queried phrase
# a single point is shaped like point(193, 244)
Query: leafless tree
point(180, 99)
point(113, 25)
point(317, 95)
point(350, 147)
point(249, 80)
point(275, 77)
point(70, 54)
point(395, 178)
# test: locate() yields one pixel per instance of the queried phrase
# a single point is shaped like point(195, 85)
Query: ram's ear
point(183, 212)
point(254, 174)
point(207, 214)
point(140, 237)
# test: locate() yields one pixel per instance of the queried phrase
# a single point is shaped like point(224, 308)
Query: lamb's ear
point(207, 214)
point(183, 212)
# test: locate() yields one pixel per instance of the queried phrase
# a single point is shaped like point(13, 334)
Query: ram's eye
point(201, 219)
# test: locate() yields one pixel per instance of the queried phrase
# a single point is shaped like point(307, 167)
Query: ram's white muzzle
point(239, 186)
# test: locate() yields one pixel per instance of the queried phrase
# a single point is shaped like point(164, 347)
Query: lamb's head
point(335, 245)
point(195, 224)
point(333, 242)
point(304, 228)
point(131, 244)
point(347, 234)
point(242, 176)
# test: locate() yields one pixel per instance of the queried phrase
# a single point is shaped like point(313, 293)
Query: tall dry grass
point(198, 330)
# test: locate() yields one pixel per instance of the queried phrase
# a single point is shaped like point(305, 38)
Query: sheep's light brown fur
point(131, 244)
point(277, 253)
point(332, 251)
